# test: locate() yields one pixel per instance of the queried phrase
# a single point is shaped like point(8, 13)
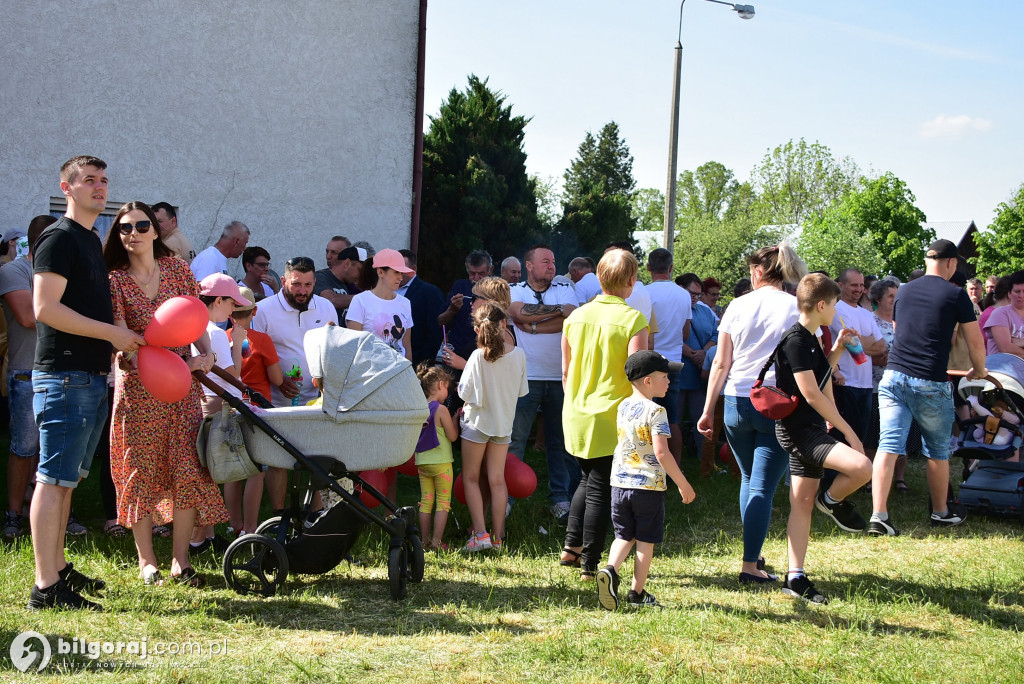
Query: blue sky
point(930, 91)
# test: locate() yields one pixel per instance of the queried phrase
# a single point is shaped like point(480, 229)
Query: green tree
point(549, 202)
point(832, 241)
point(885, 209)
point(1001, 248)
point(707, 192)
point(476, 193)
point(649, 209)
point(598, 194)
point(718, 249)
point(877, 229)
point(797, 179)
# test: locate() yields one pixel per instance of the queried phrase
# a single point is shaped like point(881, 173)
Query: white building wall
point(295, 118)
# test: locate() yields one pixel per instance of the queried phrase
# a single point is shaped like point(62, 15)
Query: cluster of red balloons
point(379, 480)
point(178, 322)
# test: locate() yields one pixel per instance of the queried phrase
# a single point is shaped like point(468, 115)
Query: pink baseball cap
point(221, 285)
point(390, 258)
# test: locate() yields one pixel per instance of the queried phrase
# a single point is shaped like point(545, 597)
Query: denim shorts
point(902, 399)
point(638, 514)
point(24, 433)
point(71, 411)
point(671, 399)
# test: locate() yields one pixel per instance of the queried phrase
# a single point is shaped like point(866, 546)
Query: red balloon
point(725, 453)
point(164, 374)
point(378, 479)
point(520, 479)
point(409, 467)
point(177, 322)
point(459, 490)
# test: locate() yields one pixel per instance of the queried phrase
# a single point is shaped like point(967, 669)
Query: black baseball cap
point(942, 249)
point(644, 362)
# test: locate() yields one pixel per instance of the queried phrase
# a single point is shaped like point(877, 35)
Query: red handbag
point(770, 401)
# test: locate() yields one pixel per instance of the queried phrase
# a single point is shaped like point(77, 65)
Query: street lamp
point(744, 12)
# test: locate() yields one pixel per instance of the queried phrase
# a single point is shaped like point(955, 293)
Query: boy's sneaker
point(842, 513)
point(802, 588)
point(75, 528)
point(14, 525)
point(78, 582)
point(951, 518)
point(480, 541)
point(561, 512)
point(59, 596)
point(883, 528)
point(608, 588)
point(642, 600)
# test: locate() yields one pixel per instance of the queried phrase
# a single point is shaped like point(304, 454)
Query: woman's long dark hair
point(114, 253)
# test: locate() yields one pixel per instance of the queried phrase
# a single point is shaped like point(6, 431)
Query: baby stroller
point(992, 434)
point(372, 413)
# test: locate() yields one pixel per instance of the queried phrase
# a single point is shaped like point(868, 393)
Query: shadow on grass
point(365, 606)
point(970, 603)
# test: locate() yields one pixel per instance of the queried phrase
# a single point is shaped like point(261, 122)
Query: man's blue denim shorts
point(24, 433)
point(71, 411)
point(901, 399)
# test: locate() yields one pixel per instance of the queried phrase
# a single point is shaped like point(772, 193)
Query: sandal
point(588, 574)
point(189, 577)
point(161, 531)
point(901, 486)
point(115, 530)
point(573, 562)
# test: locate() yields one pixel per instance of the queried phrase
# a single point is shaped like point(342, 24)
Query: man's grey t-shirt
point(21, 341)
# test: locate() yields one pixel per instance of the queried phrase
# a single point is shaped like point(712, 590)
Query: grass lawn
point(930, 606)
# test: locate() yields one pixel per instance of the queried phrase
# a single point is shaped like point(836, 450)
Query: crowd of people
point(617, 379)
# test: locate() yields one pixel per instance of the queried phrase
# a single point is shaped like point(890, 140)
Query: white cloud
point(944, 126)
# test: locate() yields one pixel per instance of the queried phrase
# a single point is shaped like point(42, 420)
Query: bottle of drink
point(295, 373)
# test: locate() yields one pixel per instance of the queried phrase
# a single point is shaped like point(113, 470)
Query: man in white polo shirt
point(286, 317)
point(539, 307)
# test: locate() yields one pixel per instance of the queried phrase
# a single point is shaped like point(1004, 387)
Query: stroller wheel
point(255, 563)
point(270, 527)
point(414, 549)
point(397, 572)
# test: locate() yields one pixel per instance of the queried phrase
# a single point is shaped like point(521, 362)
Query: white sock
point(829, 500)
point(880, 517)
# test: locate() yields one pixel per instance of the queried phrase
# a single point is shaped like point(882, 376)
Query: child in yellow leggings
point(434, 454)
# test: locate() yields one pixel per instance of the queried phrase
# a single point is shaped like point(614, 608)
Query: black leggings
point(590, 512)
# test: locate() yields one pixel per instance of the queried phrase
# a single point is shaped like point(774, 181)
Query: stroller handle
point(963, 374)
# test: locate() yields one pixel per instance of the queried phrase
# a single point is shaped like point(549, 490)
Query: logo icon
point(22, 656)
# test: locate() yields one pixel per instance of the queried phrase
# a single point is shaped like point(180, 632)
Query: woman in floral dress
point(153, 458)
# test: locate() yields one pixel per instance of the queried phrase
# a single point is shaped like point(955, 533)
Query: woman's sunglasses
point(141, 227)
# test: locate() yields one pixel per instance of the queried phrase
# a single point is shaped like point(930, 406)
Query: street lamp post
point(744, 12)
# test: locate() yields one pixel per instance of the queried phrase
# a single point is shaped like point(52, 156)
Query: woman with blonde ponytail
point(491, 384)
point(751, 328)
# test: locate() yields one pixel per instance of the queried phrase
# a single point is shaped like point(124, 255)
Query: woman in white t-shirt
point(381, 310)
point(751, 328)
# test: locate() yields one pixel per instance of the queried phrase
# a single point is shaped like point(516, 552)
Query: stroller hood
point(1007, 369)
point(355, 364)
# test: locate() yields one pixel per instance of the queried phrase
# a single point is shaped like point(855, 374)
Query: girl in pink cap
point(381, 310)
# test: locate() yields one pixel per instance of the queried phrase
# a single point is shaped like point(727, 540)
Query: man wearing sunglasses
point(539, 308)
point(214, 259)
point(75, 337)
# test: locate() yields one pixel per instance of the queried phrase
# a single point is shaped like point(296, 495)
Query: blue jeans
point(902, 399)
point(71, 411)
point(762, 464)
point(563, 470)
point(24, 433)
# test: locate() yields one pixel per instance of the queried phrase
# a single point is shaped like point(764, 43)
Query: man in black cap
point(915, 385)
point(339, 282)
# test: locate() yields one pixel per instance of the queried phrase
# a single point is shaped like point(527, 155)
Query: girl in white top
point(491, 384)
point(382, 310)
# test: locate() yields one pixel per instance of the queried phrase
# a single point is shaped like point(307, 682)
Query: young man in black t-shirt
point(802, 369)
point(76, 332)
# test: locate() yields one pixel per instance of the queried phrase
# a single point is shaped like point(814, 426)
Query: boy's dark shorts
point(808, 446)
point(638, 514)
